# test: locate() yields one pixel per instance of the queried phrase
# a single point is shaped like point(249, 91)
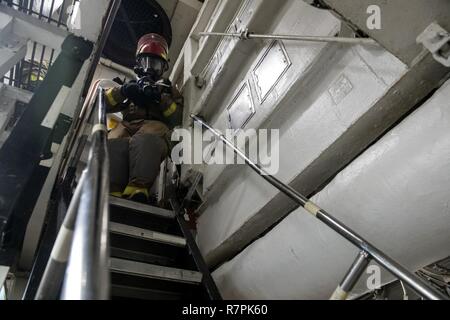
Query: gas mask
point(151, 67)
point(150, 70)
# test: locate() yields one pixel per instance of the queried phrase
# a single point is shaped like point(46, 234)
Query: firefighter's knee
point(149, 145)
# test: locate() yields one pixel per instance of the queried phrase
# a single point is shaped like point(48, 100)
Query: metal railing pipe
point(248, 35)
point(79, 126)
point(417, 284)
point(352, 276)
point(87, 273)
point(50, 285)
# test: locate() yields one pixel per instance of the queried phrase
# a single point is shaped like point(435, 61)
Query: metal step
point(135, 206)
point(126, 254)
point(131, 287)
point(147, 235)
point(129, 248)
point(144, 220)
point(155, 272)
point(126, 292)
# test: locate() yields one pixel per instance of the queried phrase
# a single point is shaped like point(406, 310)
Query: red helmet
point(153, 44)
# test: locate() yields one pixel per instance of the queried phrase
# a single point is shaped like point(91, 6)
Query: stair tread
point(143, 293)
point(146, 234)
point(126, 254)
point(154, 271)
point(139, 207)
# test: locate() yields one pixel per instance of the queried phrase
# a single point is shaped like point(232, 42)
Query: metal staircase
point(150, 257)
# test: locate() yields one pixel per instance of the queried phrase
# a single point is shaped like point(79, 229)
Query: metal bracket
point(437, 40)
point(200, 82)
point(245, 34)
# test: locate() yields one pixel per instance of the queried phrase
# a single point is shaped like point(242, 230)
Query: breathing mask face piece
point(151, 66)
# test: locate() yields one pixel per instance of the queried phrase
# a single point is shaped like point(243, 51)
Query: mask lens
point(152, 65)
point(157, 66)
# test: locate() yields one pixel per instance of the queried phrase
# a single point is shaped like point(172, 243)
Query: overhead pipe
point(417, 284)
point(246, 35)
point(117, 67)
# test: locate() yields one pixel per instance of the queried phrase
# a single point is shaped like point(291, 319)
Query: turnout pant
point(136, 151)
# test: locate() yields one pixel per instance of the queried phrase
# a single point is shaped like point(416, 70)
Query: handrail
point(207, 280)
point(79, 125)
point(79, 259)
point(368, 251)
point(87, 273)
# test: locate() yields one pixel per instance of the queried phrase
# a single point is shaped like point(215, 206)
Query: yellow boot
point(116, 194)
point(136, 194)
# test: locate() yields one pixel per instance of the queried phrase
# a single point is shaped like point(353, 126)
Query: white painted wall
point(103, 72)
point(87, 18)
point(396, 195)
point(303, 106)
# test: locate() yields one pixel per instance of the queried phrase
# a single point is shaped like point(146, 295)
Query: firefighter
point(151, 107)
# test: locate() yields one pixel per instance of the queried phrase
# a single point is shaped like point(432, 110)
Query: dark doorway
point(134, 19)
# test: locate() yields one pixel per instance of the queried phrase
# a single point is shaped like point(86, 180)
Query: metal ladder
point(110, 248)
